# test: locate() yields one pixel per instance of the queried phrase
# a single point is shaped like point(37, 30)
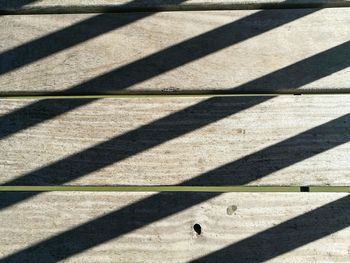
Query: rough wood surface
point(236, 227)
point(288, 140)
point(245, 51)
point(285, 140)
point(69, 6)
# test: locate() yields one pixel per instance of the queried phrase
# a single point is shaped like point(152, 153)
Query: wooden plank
point(73, 6)
point(284, 140)
point(171, 52)
point(140, 227)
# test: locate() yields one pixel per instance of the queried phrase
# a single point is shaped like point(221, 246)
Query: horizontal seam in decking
point(80, 9)
point(252, 189)
point(177, 95)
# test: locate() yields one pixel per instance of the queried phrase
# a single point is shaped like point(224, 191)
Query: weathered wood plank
point(252, 51)
point(285, 140)
point(255, 227)
point(71, 6)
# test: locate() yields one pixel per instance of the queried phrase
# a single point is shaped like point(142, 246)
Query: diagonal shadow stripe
point(156, 64)
point(321, 144)
point(66, 38)
point(125, 220)
point(10, 7)
point(98, 231)
point(278, 156)
point(265, 245)
point(287, 236)
point(82, 31)
point(53, 247)
point(174, 125)
point(16, 3)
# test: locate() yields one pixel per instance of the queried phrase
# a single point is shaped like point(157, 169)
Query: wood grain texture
point(285, 140)
point(170, 52)
point(276, 227)
point(74, 6)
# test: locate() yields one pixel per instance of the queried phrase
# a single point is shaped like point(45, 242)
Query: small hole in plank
point(197, 228)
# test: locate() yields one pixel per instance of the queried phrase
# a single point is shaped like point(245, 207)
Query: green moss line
point(176, 188)
point(164, 95)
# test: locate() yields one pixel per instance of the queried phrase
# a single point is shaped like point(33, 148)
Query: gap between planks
point(165, 96)
point(222, 189)
point(103, 6)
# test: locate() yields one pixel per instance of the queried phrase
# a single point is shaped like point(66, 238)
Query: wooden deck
point(175, 131)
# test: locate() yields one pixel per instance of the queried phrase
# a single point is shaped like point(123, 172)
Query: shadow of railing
point(287, 236)
point(9, 7)
point(65, 38)
point(242, 171)
point(150, 66)
point(14, 4)
point(275, 241)
point(115, 224)
point(68, 37)
point(172, 126)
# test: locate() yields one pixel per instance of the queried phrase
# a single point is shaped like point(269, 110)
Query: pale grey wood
point(167, 141)
point(90, 54)
point(69, 6)
point(309, 227)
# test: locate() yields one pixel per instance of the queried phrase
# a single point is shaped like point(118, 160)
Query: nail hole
point(197, 228)
point(231, 209)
